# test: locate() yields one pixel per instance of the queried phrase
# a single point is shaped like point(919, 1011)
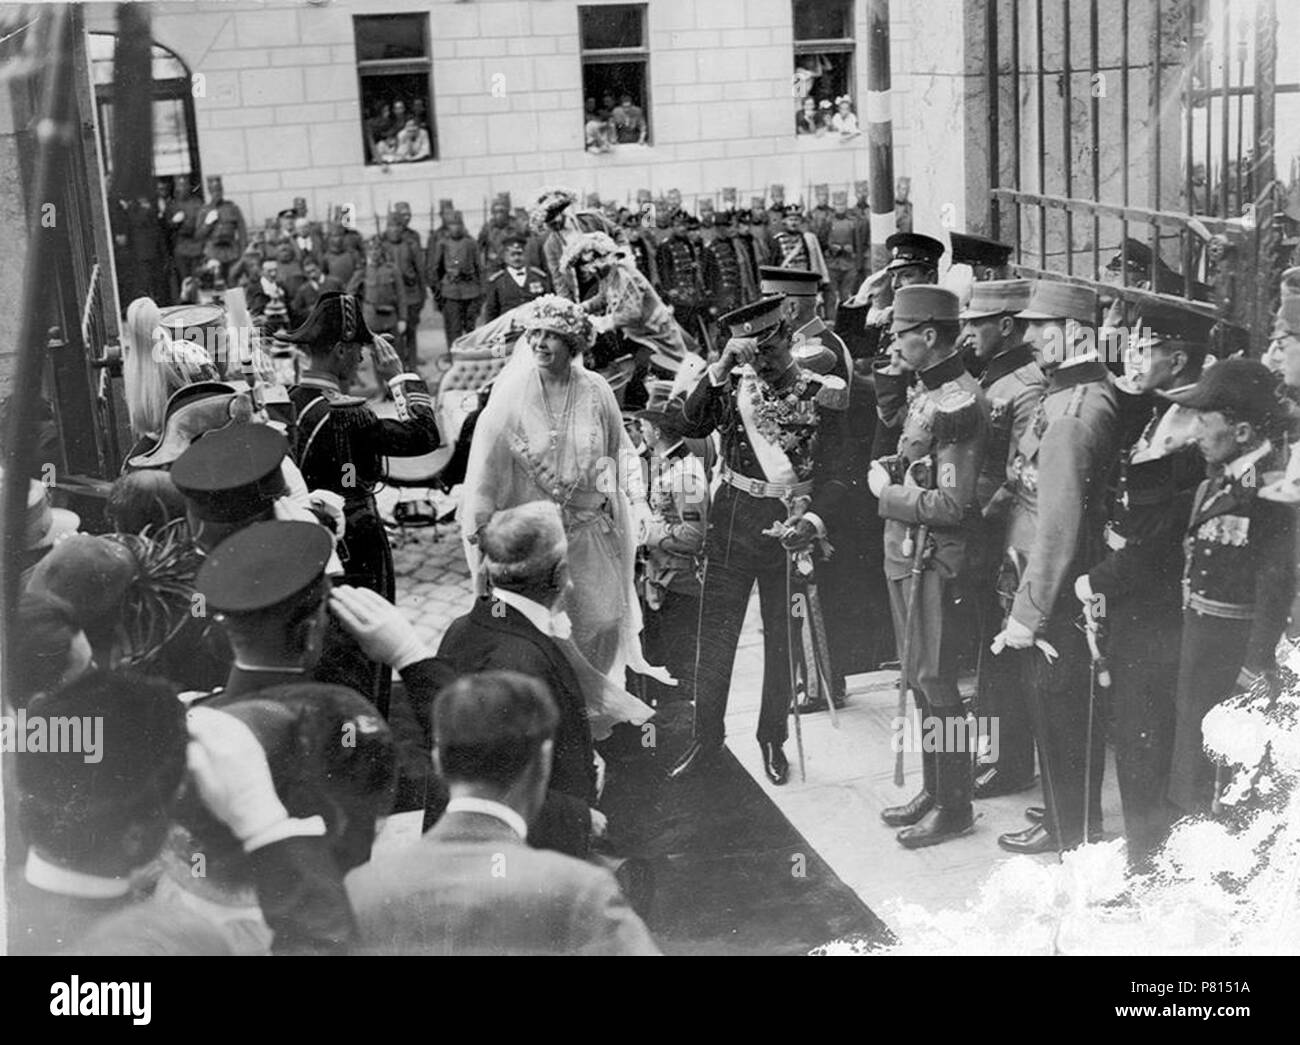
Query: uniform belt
point(759, 488)
point(1213, 608)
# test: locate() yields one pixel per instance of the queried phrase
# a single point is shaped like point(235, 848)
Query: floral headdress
point(549, 202)
point(587, 247)
point(561, 316)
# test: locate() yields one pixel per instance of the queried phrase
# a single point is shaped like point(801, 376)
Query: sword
point(919, 553)
point(817, 627)
point(1098, 675)
point(1018, 562)
point(790, 655)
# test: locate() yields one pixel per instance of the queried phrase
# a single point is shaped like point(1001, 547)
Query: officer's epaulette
point(496, 275)
point(351, 412)
point(831, 391)
point(540, 272)
point(956, 414)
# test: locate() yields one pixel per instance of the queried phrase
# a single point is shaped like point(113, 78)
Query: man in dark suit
point(515, 283)
point(525, 556)
point(516, 629)
point(471, 885)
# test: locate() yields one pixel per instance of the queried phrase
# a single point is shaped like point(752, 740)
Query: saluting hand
point(739, 351)
point(381, 630)
point(388, 364)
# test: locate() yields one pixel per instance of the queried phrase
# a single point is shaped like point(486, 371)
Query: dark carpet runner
point(732, 876)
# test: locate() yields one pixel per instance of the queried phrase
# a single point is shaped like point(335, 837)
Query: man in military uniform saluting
point(341, 444)
point(927, 497)
point(1060, 472)
point(221, 227)
point(995, 343)
point(1136, 590)
point(845, 584)
point(782, 465)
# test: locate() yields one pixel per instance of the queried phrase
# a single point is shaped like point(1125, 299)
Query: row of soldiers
point(1083, 530)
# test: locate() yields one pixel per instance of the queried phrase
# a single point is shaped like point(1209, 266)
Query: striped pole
point(880, 132)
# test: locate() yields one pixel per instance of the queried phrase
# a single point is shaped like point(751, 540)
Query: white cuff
point(816, 520)
point(311, 827)
point(414, 655)
point(407, 376)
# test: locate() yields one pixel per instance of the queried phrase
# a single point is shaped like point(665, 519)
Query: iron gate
point(1160, 118)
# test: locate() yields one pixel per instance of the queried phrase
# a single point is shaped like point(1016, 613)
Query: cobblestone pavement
point(433, 585)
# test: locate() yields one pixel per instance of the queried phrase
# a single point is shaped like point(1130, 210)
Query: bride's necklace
point(554, 423)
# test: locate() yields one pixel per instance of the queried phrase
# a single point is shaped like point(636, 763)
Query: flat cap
point(1244, 387)
point(997, 297)
point(1053, 300)
point(912, 248)
point(264, 565)
point(923, 304)
point(798, 282)
point(1160, 323)
point(978, 250)
point(755, 318)
point(232, 473)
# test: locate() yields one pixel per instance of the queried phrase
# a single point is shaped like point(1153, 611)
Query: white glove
point(229, 767)
point(379, 627)
point(878, 478)
point(327, 502)
point(1083, 589)
point(1014, 636)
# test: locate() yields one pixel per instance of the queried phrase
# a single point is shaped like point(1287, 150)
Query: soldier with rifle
point(927, 496)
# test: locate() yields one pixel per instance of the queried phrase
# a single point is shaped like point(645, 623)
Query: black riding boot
point(952, 815)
